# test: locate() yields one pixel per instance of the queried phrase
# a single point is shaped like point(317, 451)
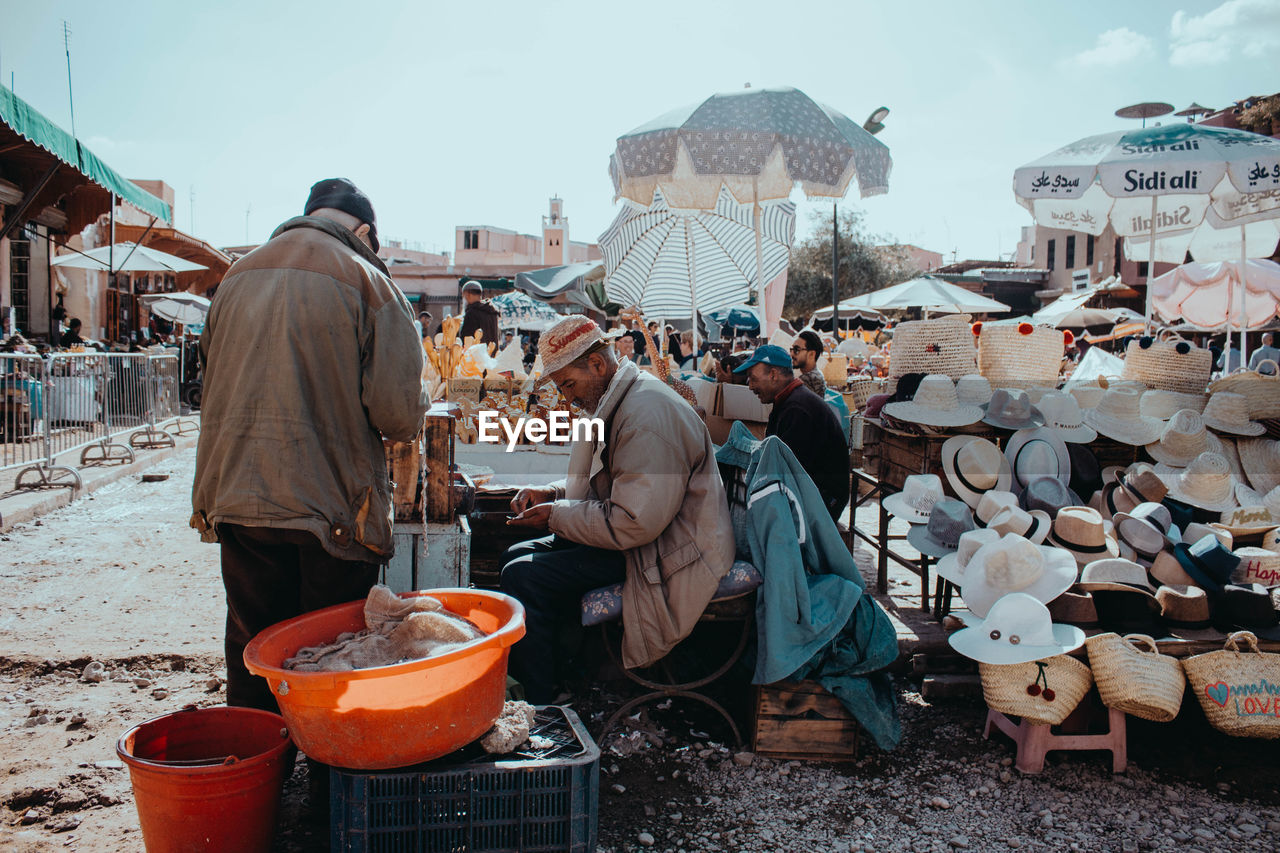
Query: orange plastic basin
point(391, 716)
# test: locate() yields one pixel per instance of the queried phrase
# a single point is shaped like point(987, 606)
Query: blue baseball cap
point(767, 354)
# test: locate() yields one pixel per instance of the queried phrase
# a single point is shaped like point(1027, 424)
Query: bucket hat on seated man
point(570, 339)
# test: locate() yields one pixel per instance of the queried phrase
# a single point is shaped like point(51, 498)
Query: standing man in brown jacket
point(310, 358)
point(645, 505)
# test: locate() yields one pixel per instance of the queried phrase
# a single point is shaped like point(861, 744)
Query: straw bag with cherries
point(1136, 680)
point(1045, 691)
point(1171, 364)
point(1020, 356)
point(1261, 392)
point(942, 346)
point(1239, 691)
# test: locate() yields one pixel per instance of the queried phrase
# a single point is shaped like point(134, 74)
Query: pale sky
point(476, 112)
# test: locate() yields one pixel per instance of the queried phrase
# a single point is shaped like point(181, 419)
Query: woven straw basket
point(836, 371)
point(861, 389)
point(1162, 366)
point(1140, 682)
point(1020, 356)
point(1004, 686)
point(1261, 392)
point(942, 346)
point(1238, 690)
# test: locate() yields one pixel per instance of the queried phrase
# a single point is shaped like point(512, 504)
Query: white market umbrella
point(126, 257)
point(928, 293)
point(189, 309)
point(1209, 296)
point(1074, 312)
point(673, 263)
point(520, 311)
point(850, 316)
point(1171, 189)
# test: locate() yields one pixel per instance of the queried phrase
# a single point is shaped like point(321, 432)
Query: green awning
point(488, 283)
point(35, 128)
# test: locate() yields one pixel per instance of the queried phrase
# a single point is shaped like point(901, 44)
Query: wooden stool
point(1036, 739)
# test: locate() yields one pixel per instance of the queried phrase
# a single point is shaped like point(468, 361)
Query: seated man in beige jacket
point(645, 506)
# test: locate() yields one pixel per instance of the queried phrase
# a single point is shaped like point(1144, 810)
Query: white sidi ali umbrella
point(929, 293)
point(126, 257)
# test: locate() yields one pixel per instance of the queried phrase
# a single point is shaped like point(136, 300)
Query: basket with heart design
point(1238, 690)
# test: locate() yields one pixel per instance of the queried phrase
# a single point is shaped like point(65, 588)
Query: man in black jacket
point(479, 315)
point(804, 422)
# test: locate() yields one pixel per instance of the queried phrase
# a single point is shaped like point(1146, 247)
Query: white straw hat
point(953, 566)
point(1017, 629)
point(1206, 483)
point(1183, 439)
point(1115, 573)
point(973, 389)
point(1158, 403)
point(1228, 412)
point(1117, 417)
point(935, 404)
point(914, 503)
point(1062, 413)
point(992, 502)
point(974, 465)
point(1260, 458)
point(1249, 496)
point(1087, 393)
point(1038, 452)
point(1014, 564)
point(1033, 525)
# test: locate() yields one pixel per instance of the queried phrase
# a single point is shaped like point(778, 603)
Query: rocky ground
point(119, 580)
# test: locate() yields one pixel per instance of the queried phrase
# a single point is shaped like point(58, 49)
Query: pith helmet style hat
point(1228, 412)
point(1257, 565)
point(342, 194)
point(1082, 531)
point(570, 339)
point(1116, 574)
point(1034, 525)
point(1075, 607)
point(1260, 458)
point(914, 503)
point(1017, 629)
point(1246, 608)
point(941, 535)
point(1117, 416)
point(1158, 403)
point(1206, 483)
point(1038, 452)
point(1147, 530)
point(974, 465)
point(973, 389)
point(1010, 408)
point(935, 404)
point(1183, 438)
point(1207, 562)
point(952, 567)
point(1014, 564)
point(992, 502)
point(1063, 415)
point(1048, 495)
point(1183, 606)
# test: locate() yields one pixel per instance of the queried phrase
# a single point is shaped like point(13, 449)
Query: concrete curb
point(22, 507)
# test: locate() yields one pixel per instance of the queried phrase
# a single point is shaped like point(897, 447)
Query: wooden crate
point(799, 719)
point(892, 456)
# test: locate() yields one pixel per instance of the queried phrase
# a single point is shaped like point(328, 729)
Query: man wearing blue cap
point(803, 421)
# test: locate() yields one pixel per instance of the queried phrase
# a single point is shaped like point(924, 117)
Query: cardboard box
point(719, 428)
point(739, 403)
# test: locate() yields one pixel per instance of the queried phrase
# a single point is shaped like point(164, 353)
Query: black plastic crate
point(536, 799)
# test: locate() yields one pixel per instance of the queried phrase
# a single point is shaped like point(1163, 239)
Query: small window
point(1071, 252)
point(1050, 253)
point(1118, 256)
point(1142, 269)
point(1088, 250)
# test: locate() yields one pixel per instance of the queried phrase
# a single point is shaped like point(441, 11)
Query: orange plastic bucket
point(391, 716)
point(207, 778)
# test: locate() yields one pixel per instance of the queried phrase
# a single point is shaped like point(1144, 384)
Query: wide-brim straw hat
point(935, 404)
point(1260, 459)
point(1158, 403)
point(1037, 452)
point(1248, 520)
point(570, 339)
point(1183, 438)
point(1117, 416)
point(1015, 564)
point(974, 465)
point(1115, 573)
point(1246, 495)
point(1183, 606)
point(1018, 629)
point(1206, 483)
point(1083, 532)
point(1257, 565)
point(1229, 412)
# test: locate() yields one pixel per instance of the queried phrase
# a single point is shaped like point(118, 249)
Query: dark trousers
point(549, 577)
point(272, 574)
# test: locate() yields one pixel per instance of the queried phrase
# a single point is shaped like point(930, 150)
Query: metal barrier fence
point(103, 404)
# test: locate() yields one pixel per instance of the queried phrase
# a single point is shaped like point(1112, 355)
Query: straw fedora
point(1033, 526)
point(1158, 403)
point(1082, 531)
point(1116, 574)
point(1147, 530)
point(1183, 606)
point(1260, 458)
point(914, 503)
point(935, 404)
point(1196, 531)
point(570, 339)
point(1245, 521)
point(1206, 483)
point(974, 465)
point(973, 389)
point(941, 535)
point(1166, 569)
point(1074, 607)
point(1048, 495)
point(1018, 629)
point(1037, 452)
point(1139, 483)
point(1015, 564)
point(1257, 565)
point(1010, 408)
point(1118, 418)
point(1228, 412)
point(1207, 562)
point(952, 567)
point(1062, 414)
point(1183, 438)
point(992, 502)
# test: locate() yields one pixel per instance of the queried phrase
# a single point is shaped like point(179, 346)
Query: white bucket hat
point(1228, 412)
point(1117, 417)
point(1015, 564)
point(953, 566)
point(1018, 629)
point(935, 404)
point(1062, 414)
point(1183, 438)
point(974, 465)
point(1038, 452)
point(1034, 525)
point(914, 503)
point(1206, 483)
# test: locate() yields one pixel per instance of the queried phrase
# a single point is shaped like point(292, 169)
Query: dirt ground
point(118, 578)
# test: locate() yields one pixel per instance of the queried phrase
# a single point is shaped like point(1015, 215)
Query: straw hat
point(1183, 606)
point(1245, 521)
point(1260, 458)
point(1249, 496)
point(1087, 393)
point(1206, 483)
point(1207, 562)
point(1232, 456)
point(1010, 408)
point(974, 465)
point(1166, 569)
point(952, 567)
point(1183, 439)
point(1014, 564)
point(973, 389)
point(992, 502)
point(1147, 529)
point(1118, 418)
point(1228, 412)
point(1158, 403)
point(1047, 494)
point(1082, 531)
point(1062, 414)
point(1033, 526)
point(935, 404)
point(570, 339)
point(1257, 565)
point(1139, 483)
point(1116, 574)
point(914, 503)
point(1074, 607)
point(1018, 629)
point(1196, 531)
point(1038, 452)
point(941, 535)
